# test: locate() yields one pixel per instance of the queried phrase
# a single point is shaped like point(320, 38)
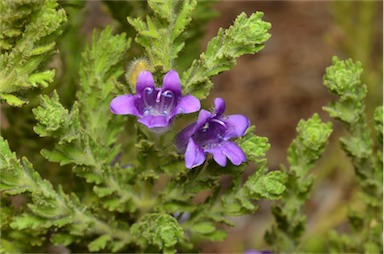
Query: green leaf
point(102, 191)
point(99, 243)
point(51, 117)
point(27, 221)
point(17, 176)
point(162, 34)
point(160, 230)
point(306, 148)
point(12, 100)
point(64, 239)
point(253, 146)
point(164, 9)
point(343, 78)
point(42, 78)
point(378, 117)
point(218, 235)
point(270, 186)
point(203, 228)
point(7, 247)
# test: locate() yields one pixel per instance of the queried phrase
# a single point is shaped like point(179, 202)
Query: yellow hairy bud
point(134, 69)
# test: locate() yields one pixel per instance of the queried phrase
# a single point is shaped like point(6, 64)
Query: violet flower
point(155, 107)
point(211, 134)
point(257, 252)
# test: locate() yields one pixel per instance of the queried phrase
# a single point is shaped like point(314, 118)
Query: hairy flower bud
point(134, 69)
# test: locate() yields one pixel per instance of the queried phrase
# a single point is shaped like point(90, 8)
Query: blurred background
point(274, 88)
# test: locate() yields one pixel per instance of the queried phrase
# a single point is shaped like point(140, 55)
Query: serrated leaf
point(183, 18)
point(253, 146)
point(343, 78)
point(113, 204)
point(218, 235)
point(271, 185)
point(306, 148)
point(163, 8)
point(162, 34)
point(12, 100)
point(247, 205)
point(42, 49)
point(160, 230)
point(378, 117)
point(99, 243)
point(64, 239)
point(102, 191)
point(203, 228)
point(117, 245)
point(28, 221)
point(8, 247)
point(42, 78)
point(51, 115)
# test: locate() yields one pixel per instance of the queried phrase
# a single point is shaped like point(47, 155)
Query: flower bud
point(134, 69)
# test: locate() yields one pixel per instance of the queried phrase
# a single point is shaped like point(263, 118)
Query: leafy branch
point(49, 208)
point(161, 34)
point(246, 36)
point(27, 40)
point(304, 151)
point(343, 79)
point(87, 134)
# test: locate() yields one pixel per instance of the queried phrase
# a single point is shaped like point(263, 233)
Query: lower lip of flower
point(211, 134)
point(158, 102)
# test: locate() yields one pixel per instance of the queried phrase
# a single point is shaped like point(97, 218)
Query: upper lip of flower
point(211, 134)
point(156, 107)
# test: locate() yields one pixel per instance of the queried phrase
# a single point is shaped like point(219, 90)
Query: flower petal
point(172, 82)
point(144, 80)
point(183, 136)
point(219, 107)
point(233, 152)
point(154, 121)
point(203, 117)
point(194, 155)
point(218, 155)
point(187, 104)
point(237, 125)
point(125, 105)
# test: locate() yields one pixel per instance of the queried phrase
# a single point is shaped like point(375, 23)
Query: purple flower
point(257, 252)
point(211, 134)
point(183, 218)
point(155, 107)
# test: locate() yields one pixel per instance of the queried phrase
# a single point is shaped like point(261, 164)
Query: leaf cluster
point(85, 139)
point(161, 230)
point(162, 34)
point(303, 152)
point(48, 212)
point(27, 40)
point(343, 79)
